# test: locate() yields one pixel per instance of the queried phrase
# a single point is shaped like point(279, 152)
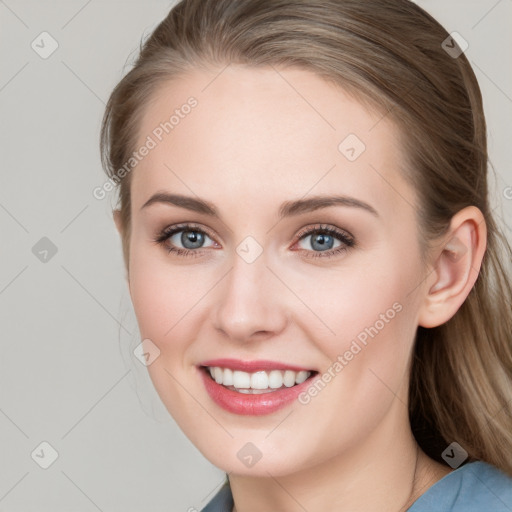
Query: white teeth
point(240, 379)
point(261, 380)
point(275, 379)
point(218, 375)
point(289, 378)
point(302, 376)
point(227, 377)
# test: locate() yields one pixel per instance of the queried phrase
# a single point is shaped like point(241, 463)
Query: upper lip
point(252, 366)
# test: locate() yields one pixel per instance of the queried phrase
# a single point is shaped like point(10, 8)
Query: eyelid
point(347, 239)
point(191, 226)
point(168, 231)
point(325, 227)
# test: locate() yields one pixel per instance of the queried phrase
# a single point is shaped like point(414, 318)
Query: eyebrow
point(287, 209)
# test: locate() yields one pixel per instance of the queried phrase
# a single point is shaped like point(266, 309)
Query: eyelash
point(347, 241)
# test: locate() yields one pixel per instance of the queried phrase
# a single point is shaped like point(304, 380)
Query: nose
point(250, 302)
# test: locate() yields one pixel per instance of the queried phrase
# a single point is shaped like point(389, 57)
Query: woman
point(322, 289)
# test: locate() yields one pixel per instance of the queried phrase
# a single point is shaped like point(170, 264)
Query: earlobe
point(456, 269)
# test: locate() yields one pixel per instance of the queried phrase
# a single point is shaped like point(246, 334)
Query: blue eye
point(322, 238)
point(193, 237)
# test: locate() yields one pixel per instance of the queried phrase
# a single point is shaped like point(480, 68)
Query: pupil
point(322, 241)
point(193, 237)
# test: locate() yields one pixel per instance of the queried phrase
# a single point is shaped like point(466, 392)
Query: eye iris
point(323, 241)
point(196, 238)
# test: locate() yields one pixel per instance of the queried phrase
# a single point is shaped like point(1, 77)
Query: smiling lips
point(258, 382)
point(253, 387)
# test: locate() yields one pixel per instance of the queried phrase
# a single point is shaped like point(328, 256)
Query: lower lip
point(249, 404)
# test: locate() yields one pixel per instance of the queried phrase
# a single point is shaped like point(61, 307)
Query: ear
point(456, 268)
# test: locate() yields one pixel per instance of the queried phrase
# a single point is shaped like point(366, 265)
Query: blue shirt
point(473, 487)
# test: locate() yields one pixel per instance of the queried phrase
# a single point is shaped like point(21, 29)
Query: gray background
point(67, 375)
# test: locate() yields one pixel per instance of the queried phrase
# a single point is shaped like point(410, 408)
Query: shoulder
point(474, 487)
point(221, 502)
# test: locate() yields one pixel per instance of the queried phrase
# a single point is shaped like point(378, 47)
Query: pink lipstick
point(255, 399)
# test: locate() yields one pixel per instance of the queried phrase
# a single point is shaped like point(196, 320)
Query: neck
point(388, 474)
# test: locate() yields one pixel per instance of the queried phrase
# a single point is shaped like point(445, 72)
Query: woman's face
point(255, 285)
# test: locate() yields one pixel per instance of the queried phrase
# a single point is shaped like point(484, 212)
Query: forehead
point(268, 133)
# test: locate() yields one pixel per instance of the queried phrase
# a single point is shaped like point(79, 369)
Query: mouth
point(257, 392)
point(258, 382)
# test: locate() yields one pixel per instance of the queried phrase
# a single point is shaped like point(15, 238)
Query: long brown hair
point(390, 55)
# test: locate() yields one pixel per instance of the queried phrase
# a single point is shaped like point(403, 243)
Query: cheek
point(352, 299)
point(160, 295)
point(171, 304)
point(371, 313)
point(163, 299)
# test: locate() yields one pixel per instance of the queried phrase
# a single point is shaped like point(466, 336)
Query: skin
point(257, 138)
